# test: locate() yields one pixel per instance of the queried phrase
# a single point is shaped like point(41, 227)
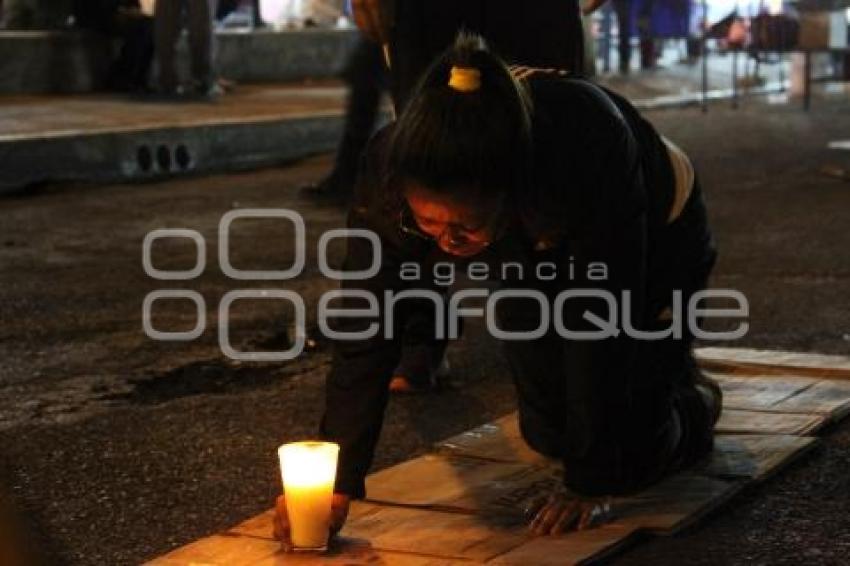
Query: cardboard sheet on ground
point(809, 364)
point(753, 456)
point(432, 533)
point(260, 527)
point(675, 503)
point(500, 440)
point(353, 552)
point(486, 488)
point(220, 550)
point(444, 479)
point(498, 489)
point(571, 548)
point(345, 550)
point(737, 421)
point(827, 397)
point(759, 393)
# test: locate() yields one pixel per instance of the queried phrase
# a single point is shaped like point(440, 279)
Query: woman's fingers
point(567, 519)
point(339, 512)
point(281, 523)
point(534, 507)
point(546, 517)
point(558, 515)
point(595, 515)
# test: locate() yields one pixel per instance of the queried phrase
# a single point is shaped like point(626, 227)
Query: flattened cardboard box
point(499, 440)
point(759, 393)
point(437, 534)
point(739, 421)
point(754, 456)
point(750, 360)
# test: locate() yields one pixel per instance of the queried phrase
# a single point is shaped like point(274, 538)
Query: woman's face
point(461, 227)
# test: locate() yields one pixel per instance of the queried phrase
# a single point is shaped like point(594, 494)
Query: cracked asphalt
point(115, 448)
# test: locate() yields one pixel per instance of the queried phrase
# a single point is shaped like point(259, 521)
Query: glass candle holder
point(309, 472)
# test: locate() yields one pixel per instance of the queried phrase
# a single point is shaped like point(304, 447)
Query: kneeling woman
point(496, 165)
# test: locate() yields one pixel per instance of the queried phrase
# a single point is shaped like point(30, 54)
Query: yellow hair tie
point(464, 79)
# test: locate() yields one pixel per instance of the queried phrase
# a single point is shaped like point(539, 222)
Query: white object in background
point(148, 7)
point(277, 12)
point(294, 13)
point(840, 144)
point(774, 7)
point(309, 473)
point(344, 23)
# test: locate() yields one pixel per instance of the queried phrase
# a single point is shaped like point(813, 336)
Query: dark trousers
point(623, 10)
point(224, 8)
point(131, 68)
point(169, 17)
point(624, 440)
point(365, 74)
point(665, 428)
point(647, 41)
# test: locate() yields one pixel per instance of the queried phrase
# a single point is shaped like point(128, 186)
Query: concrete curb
point(140, 155)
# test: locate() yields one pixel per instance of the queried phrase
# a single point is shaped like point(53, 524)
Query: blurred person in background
point(365, 75)
point(169, 18)
point(545, 33)
point(623, 12)
point(648, 55)
point(36, 14)
point(126, 20)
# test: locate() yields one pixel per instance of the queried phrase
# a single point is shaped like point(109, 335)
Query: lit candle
point(309, 472)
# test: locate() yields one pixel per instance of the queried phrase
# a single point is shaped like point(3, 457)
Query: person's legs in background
point(139, 46)
point(166, 30)
point(623, 10)
point(366, 76)
point(225, 8)
point(130, 72)
point(647, 41)
point(258, 21)
point(199, 17)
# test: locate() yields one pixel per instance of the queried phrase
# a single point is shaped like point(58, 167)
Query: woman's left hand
point(561, 512)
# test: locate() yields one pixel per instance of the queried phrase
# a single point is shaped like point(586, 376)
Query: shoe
point(207, 90)
point(711, 394)
point(332, 186)
point(401, 383)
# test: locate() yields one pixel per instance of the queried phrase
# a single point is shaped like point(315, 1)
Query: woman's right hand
point(339, 513)
point(559, 513)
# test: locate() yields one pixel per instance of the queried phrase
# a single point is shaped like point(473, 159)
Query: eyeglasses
point(455, 234)
point(407, 225)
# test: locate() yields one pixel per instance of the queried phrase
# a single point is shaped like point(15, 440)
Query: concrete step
point(107, 139)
